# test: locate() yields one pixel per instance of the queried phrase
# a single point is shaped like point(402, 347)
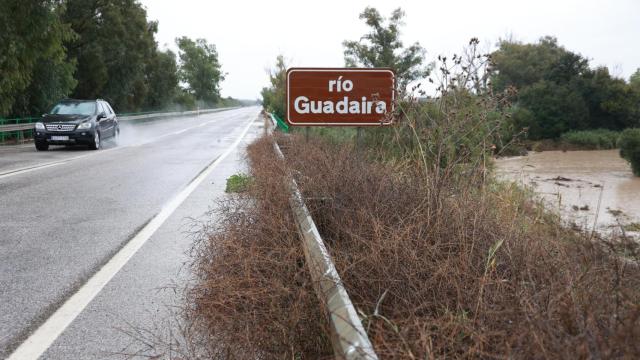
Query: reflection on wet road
point(64, 213)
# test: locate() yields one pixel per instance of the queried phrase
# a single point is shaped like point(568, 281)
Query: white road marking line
point(60, 162)
point(48, 332)
point(171, 134)
point(38, 167)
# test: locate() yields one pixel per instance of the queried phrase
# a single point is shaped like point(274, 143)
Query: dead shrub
point(470, 272)
point(252, 298)
point(476, 272)
point(440, 260)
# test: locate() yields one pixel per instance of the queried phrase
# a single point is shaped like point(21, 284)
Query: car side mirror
point(102, 115)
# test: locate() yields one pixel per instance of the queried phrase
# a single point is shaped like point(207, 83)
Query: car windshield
point(75, 108)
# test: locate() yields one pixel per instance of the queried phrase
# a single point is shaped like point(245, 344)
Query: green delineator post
point(281, 124)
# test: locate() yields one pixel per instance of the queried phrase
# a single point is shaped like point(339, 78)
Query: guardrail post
point(279, 123)
point(349, 338)
point(19, 135)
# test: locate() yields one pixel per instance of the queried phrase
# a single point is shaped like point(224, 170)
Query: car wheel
point(42, 146)
point(116, 135)
point(96, 141)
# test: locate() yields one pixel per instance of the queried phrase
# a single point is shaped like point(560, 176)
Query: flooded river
point(588, 188)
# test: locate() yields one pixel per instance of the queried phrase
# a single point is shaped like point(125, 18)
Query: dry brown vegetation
point(254, 298)
point(476, 271)
point(440, 260)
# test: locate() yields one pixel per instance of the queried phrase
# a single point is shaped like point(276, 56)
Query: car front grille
point(60, 127)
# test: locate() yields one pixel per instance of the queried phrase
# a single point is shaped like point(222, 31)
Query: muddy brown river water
point(593, 189)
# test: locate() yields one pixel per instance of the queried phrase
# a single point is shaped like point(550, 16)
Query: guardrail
point(22, 126)
point(171, 114)
point(348, 336)
point(19, 126)
point(279, 123)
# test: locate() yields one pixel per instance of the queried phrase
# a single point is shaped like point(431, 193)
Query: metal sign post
point(359, 139)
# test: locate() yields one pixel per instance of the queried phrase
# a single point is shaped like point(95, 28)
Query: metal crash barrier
point(17, 127)
point(348, 336)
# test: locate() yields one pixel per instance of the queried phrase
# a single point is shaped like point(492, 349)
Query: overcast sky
point(250, 34)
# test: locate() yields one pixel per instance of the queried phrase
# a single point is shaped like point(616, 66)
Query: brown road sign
point(340, 96)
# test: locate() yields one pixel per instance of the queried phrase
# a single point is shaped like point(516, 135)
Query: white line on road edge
point(38, 167)
point(47, 333)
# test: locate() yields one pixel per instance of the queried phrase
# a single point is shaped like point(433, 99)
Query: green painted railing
point(17, 134)
point(281, 124)
point(18, 129)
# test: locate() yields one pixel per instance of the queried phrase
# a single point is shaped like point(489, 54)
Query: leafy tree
point(634, 80)
point(634, 84)
point(382, 47)
point(611, 100)
point(185, 100)
point(549, 101)
point(52, 80)
point(114, 45)
point(521, 65)
point(558, 91)
point(32, 56)
point(273, 97)
point(630, 148)
point(162, 79)
point(555, 108)
point(200, 69)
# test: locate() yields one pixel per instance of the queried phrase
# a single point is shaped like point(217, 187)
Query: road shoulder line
point(42, 338)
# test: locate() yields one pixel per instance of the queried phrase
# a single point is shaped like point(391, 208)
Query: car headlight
point(84, 125)
point(39, 126)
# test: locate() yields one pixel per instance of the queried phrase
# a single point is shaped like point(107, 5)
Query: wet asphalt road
point(60, 222)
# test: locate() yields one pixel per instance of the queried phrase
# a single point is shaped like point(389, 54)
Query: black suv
point(77, 122)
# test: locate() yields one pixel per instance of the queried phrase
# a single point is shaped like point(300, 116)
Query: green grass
point(632, 227)
point(599, 139)
point(336, 134)
point(238, 183)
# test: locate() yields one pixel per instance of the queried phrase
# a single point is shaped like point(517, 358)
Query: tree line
point(555, 90)
point(559, 91)
point(87, 49)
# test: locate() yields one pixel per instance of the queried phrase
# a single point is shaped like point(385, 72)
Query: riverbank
point(597, 139)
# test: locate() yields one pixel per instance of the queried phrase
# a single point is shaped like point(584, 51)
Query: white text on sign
point(303, 105)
